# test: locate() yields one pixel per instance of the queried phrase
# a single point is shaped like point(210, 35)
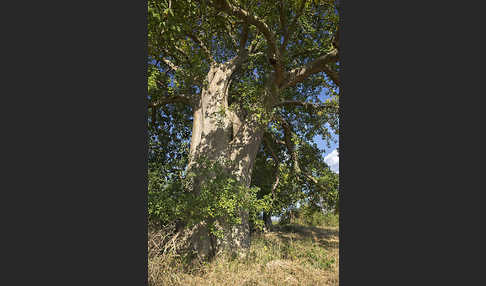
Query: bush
point(320, 219)
point(220, 198)
point(311, 216)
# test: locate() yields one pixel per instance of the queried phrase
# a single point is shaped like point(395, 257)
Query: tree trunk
point(219, 135)
point(267, 219)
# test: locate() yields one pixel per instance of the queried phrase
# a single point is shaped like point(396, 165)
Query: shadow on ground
point(327, 237)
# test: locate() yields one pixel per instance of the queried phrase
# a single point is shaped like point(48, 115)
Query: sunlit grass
point(289, 255)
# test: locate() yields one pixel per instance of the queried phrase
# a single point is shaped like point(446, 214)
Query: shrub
point(220, 198)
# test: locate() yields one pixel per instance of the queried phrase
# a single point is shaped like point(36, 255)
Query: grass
point(289, 255)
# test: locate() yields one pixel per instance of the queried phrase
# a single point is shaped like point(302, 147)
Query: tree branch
point(302, 103)
point(202, 45)
point(335, 41)
point(277, 163)
point(168, 100)
point(255, 44)
point(291, 147)
point(182, 52)
point(170, 64)
point(315, 181)
point(273, 52)
point(269, 146)
point(297, 102)
point(334, 76)
point(154, 116)
point(288, 32)
point(243, 37)
point(230, 28)
point(298, 75)
point(283, 20)
point(288, 134)
point(236, 61)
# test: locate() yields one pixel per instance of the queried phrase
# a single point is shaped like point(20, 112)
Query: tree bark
point(219, 135)
point(267, 219)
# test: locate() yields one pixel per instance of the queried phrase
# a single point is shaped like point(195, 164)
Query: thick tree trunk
point(219, 135)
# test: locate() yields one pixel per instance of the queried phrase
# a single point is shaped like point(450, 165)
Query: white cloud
point(332, 159)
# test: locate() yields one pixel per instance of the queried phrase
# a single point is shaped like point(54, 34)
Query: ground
point(289, 255)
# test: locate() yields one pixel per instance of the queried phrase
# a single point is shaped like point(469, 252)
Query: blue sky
point(330, 154)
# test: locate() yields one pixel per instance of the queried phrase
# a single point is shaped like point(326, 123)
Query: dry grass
point(290, 255)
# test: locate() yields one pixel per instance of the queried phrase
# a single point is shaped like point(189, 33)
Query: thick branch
point(298, 75)
point(274, 53)
point(243, 36)
point(252, 19)
point(289, 142)
point(242, 55)
point(334, 76)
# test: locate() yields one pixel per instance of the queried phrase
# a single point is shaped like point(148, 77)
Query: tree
point(247, 75)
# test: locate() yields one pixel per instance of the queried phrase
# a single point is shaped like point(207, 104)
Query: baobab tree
point(247, 75)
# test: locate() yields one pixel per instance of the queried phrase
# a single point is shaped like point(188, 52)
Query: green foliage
point(311, 215)
point(220, 196)
point(219, 199)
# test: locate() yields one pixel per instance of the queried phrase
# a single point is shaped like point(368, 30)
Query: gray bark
point(219, 134)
